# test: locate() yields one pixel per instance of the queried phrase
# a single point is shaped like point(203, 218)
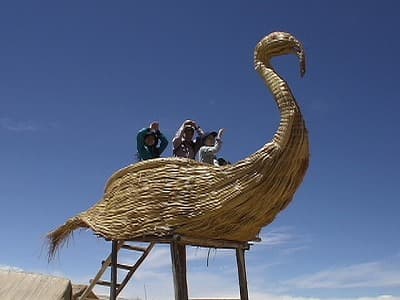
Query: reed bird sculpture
point(167, 196)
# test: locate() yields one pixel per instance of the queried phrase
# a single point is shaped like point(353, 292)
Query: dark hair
point(223, 162)
point(206, 135)
point(154, 134)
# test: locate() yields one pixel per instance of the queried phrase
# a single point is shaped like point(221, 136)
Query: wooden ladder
point(111, 261)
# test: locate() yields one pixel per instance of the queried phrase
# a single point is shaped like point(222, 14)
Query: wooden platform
point(178, 245)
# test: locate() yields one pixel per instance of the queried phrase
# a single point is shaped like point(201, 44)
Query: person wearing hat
point(147, 142)
point(184, 143)
point(212, 142)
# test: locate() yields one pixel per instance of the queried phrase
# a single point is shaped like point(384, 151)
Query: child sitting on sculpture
point(212, 142)
point(184, 143)
point(147, 142)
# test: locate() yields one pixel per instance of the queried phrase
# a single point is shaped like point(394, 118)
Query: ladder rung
point(124, 267)
point(107, 263)
point(134, 248)
point(106, 283)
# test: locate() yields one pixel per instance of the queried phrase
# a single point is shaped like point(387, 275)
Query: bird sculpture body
point(167, 196)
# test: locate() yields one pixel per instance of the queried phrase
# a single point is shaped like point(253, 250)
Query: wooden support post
point(178, 257)
point(244, 295)
point(114, 258)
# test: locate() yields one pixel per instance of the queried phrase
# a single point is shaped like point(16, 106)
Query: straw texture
point(167, 196)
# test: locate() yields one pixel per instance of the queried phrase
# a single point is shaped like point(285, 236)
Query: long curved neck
point(291, 118)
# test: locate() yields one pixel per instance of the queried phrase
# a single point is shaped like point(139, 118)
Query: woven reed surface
point(167, 196)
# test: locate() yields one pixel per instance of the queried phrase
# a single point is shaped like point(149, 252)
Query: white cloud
point(294, 249)
point(154, 277)
point(10, 268)
point(17, 126)
point(154, 280)
point(281, 236)
point(364, 275)
point(284, 238)
point(153, 285)
point(275, 238)
point(263, 296)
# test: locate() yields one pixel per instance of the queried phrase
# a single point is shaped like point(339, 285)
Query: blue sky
point(78, 79)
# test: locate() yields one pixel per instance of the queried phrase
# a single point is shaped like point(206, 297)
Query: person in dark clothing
point(147, 142)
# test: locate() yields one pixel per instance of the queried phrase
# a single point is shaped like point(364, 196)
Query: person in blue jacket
point(147, 142)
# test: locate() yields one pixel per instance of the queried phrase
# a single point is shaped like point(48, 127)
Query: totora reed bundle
point(167, 196)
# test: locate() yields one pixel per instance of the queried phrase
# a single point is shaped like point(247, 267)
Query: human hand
point(220, 133)
point(195, 125)
point(155, 126)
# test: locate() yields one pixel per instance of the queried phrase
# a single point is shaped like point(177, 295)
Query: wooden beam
point(114, 258)
point(134, 248)
point(124, 267)
point(211, 243)
point(197, 242)
point(244, 294)
point(105, 283)
point(178, 257)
